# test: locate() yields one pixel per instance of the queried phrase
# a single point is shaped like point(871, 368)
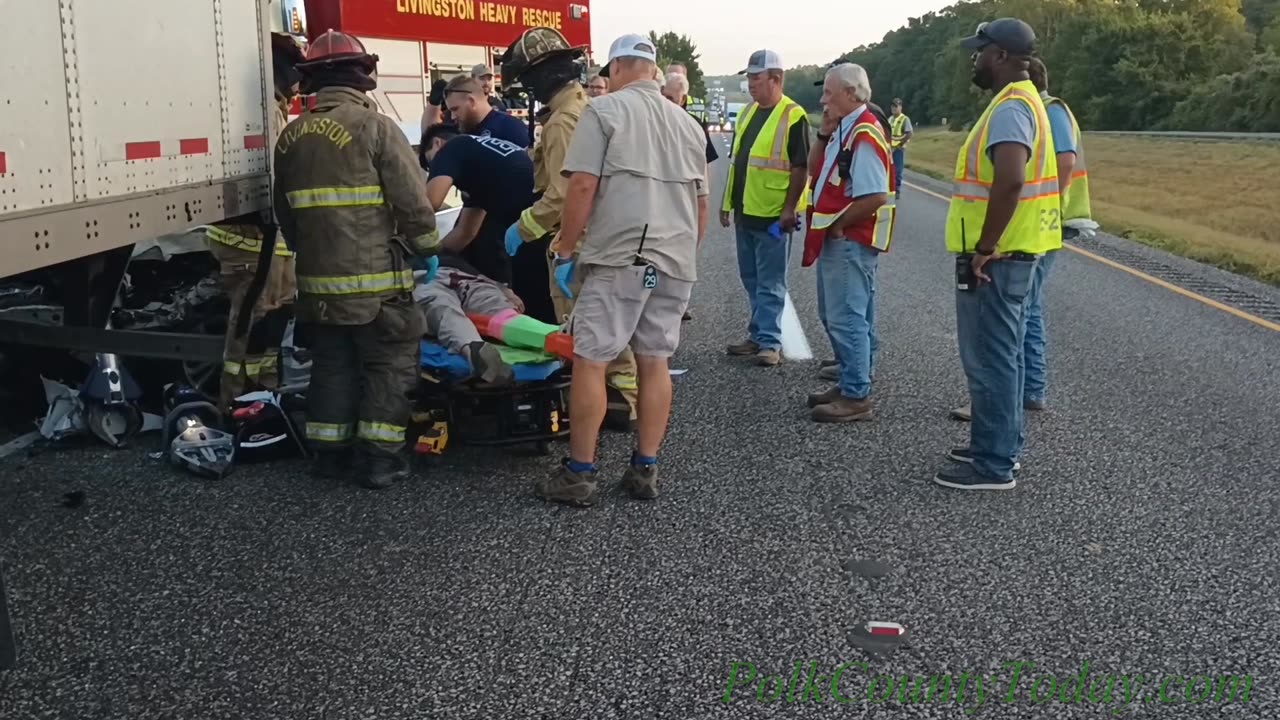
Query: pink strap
point(498, 322)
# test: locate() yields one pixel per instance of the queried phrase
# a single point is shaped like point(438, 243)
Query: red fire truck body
point(421, 41)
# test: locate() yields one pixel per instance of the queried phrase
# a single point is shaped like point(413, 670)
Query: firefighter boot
point(333, 464)
point(383, 469)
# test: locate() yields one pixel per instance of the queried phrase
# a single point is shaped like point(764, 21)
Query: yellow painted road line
point(1262, 322)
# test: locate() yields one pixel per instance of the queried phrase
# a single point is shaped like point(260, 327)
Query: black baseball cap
point(1009, 34)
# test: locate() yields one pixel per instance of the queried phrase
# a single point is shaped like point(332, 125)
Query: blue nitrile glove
point(513, 240)
point(776, 230)
point(430, 264)
point(564, 275)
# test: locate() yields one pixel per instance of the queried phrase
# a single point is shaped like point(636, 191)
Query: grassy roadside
point(1216, 202)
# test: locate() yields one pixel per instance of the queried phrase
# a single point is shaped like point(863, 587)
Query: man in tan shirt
point(638, 178)
point(542, 60)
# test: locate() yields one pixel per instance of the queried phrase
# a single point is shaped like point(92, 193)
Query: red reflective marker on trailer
point(193, 146)
point(142, 150)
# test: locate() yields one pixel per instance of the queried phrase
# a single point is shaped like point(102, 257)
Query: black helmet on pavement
point(535, 46)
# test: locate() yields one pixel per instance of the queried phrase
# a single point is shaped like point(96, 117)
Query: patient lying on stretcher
point(459, 290)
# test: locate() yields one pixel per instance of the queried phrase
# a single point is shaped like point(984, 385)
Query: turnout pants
point(621, 373)
point(252, 362)
point(448, 298)
point(362, 379)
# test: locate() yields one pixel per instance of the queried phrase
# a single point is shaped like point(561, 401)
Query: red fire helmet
point(335, 48)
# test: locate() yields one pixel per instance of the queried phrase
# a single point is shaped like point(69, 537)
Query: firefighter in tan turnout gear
point(250, 361)
point(542, 60)
point(351, 198)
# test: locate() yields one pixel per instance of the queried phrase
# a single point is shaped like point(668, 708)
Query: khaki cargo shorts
point(615, 309)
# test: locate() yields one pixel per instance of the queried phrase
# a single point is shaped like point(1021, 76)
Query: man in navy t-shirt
point(495, 178)
point(465, 98)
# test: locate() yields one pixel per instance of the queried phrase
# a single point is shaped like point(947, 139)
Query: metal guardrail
point(1180, 135)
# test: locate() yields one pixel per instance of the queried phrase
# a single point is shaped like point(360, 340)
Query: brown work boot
point(769, 358)
point(744, 348)
point(641, 481)
point(382, 470)
point(843, 410)
point(577, 489)
point(825, 397)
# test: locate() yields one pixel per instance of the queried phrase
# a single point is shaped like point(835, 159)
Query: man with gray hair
point(676, 89)
point(850, 224)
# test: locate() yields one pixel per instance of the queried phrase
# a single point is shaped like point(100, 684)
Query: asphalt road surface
point(1142, 540)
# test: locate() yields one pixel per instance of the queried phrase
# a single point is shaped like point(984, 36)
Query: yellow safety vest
point(1075, 199)
point(768, 164)
point(898, 126)
point(247, 244)
point(1036, 227)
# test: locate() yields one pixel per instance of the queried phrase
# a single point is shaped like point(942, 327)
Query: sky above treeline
point(814, 32)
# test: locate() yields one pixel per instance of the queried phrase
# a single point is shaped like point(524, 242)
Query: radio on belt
point(650, 272)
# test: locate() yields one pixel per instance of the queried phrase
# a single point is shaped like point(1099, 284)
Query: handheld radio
point(966, 280)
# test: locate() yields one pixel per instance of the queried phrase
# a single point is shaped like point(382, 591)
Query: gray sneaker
point(962, 454)
point(962, 476)
point(641, 482)
point(568, 487)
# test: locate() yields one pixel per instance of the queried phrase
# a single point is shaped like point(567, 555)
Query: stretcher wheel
point(543, 447)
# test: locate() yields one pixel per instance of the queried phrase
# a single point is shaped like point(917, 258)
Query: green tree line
point(1195, 65)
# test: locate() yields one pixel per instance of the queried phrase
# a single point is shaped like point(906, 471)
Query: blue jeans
point(899, 161)
point(846, 306)
point(762, 265)
point(1034, 345)
point(991, 325)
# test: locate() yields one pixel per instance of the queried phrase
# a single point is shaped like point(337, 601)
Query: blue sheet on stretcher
point(437, 358)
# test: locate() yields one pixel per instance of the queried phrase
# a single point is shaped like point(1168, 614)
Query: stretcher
point(532, 410)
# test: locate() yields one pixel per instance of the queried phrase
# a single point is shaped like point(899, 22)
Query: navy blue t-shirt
point(504, 127)
point(493, 175)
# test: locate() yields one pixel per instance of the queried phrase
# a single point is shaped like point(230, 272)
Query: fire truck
point(419, 42)
point(139, 120)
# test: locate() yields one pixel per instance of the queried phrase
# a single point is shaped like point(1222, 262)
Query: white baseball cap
point(762, 60)
point(630, 46)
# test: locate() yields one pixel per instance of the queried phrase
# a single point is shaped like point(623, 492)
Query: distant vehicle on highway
point(731, 116)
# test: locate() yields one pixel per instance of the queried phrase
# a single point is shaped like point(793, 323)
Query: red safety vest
point(830, 200)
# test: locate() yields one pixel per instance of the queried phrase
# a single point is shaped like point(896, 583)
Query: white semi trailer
point(124, 122)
